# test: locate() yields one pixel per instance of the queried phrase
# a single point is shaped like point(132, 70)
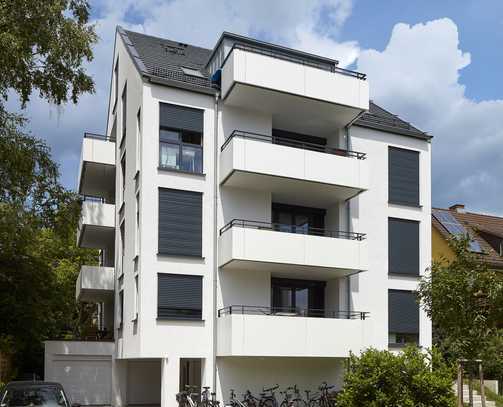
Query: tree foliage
point(464, 298)
point(39, 260)
point(413, 378)
point(43, 45)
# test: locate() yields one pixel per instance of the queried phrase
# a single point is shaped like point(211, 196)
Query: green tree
point(39, 260)
point(43, 45)
point(464, 299)
point(413, 378)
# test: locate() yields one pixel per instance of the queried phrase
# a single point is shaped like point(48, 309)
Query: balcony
point(263, 331)
point(95, 284)
point(97, 167)
point(296, 172)
point(288, 251)
point(97, 225)
point(318, 95)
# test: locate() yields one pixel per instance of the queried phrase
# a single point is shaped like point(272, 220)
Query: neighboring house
point(258, 219)
point(486, 232)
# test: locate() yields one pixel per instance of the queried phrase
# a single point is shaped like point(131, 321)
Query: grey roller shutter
point(403, 176)
point(180, 222)
point(403, 246)
point(179, 296)
point(181, 117)
point(403, 312)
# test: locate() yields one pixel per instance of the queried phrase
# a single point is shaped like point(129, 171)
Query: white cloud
point(417, 77)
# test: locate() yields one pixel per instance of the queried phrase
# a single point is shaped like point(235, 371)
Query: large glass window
point(299, 297)
point(181, 150)
point(298, 219)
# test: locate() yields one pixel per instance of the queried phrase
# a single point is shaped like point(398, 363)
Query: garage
point(83, 368)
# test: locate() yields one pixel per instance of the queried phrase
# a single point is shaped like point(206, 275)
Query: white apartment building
point(259, 218)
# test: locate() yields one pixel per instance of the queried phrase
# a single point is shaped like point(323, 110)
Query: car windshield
point(34, 396)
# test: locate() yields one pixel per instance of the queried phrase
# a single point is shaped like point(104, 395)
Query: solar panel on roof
point(455, 228)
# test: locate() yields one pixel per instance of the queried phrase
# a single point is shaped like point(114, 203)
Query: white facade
point(244, 340)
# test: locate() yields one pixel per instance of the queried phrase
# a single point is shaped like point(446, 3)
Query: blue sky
point(434, 63)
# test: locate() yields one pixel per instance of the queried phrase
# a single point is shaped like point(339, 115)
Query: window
point(136, 298)
point(181, 150)
point(123, 246)
point(181, 138)
point(116, 78)
point(123, 175)
point(403, 247)
point(138, 139)
point(124, 113)
point(113, 134)
point(298, 219)
point(403, 317)
point(121, 308)
point(301, 297)
point(403, 176)
point(180, 223)
point(137, 234)
point(179, 296)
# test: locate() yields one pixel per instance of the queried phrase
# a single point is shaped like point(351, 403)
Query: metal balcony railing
point(302, 230)
point(99, 137)
point(288, 142)
point(291, 312)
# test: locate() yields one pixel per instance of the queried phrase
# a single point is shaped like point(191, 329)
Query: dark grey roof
point(380, 119)
point(162, 60)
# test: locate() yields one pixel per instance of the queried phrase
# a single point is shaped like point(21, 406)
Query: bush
point(413, 378)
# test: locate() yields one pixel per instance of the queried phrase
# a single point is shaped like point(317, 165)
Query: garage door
point(86, 379)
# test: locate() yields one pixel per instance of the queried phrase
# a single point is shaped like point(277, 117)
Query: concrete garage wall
point(84, 369)
point(144, 382)
point(242, 373)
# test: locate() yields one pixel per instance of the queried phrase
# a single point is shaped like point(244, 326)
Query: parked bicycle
point(292, 398)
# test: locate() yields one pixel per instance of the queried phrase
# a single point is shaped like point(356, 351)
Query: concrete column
point(119, 382)
point(170, 381)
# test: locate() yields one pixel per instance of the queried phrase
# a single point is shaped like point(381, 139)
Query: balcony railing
point(291, 312)
point(319, 63)
point(288, 142)
point(303, 230)
point(98, 137)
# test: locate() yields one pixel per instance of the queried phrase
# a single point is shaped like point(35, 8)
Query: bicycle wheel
point(269, 402)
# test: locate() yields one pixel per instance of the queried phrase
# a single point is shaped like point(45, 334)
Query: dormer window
point(192, 72)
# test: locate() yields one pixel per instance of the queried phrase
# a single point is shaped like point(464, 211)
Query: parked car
point(34, 394)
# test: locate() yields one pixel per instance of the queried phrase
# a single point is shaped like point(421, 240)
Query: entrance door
point(190, 374)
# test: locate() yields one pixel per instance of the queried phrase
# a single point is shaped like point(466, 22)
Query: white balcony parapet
point(315, 253)
point(261, 331)
point(97, 167)
point(97, 225)
point(94, 284)
point(268, 81)
point(293, 170)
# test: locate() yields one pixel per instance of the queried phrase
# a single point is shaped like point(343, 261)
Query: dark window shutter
point(403, 176)
point(180, 222)
point(403, 312)
point(179, 296)
point(181, 117)
point(403, 246)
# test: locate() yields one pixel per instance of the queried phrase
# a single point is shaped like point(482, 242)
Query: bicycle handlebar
point(271, 388)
